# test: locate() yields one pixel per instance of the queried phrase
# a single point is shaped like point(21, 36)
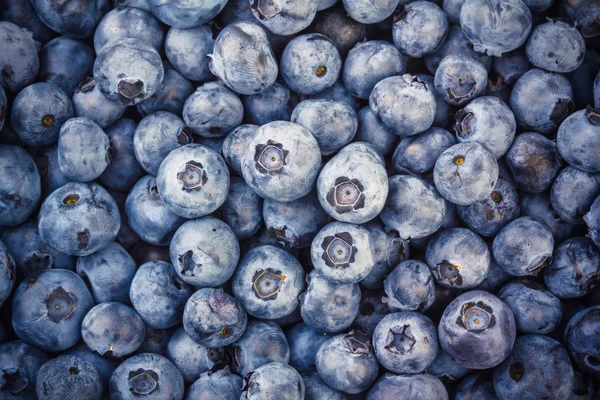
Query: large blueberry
point(263, 342)
point(128, 22)
point(284, 17)
point(573, 193)
point(419, 28)
point(89, 102)
point(390, 250)
point(578, 139)
point(68, 377)
point(187, 50)
point(409, 287)
point(582, 340)
point(369, 12)
point(211, 385)
point(66, 62)
point(304, 343)
point(274, 381)
point(76, 19)
point(556, 46)
point(460, 78)
point(20, 363)
point(186, 13)
point(419, 153)
point(420, 386)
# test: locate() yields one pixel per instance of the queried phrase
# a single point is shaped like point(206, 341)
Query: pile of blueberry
point(299, 199)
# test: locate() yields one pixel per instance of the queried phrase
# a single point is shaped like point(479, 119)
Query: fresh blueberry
point(193, 181)
point(409, 287)
point(373, 308)
point(187, 50)
point(242, 210)
point(316, 389)
point(273, 381)
point(126, 236)
point(128, 22)
point(191, 358)
point(234, 146)
point(156, 341)
point(460, 78)
point(90, 103)
point(310, 63)
point(274, 104)
point(477, 330)
point(369, 12)
point(577, 139)
point(283, 17)
point(171, 96)
point(337, 92)
point(445, 368)
point(370, 130)
point(212, 385)
point(420, 386)
point(556, 47)
point(419, 153)
point(452, 10)
point(582, 341)
point(263, 342)
point(511, 66)
point(304, 343)
point(419, 28)
point(186, 13)
point(338, 26)
point(20, 363)
point(68, 377)
point(77, 19)
point(536, 310)
point(66, 62)
point(7, 273)
point(19, 57)
point(104, 366)
point(479, 385)
point(538, 206)
point(591, 219)
point(146, 375)
point(573, 193)
point(23, 14)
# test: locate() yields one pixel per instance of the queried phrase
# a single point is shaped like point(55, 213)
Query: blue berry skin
point(126, 236)
point(214, 319)
point(575, 268)
point(48, 308)
point(488, 216)
point(405, 342)
point(263, 342)
point(184, 13)
point(452, 10)
point(234, 146)
point(370, 130)
point(577, 139)
point(90, 103)
point(421, 386)
point(477, 330)
point(460, 78)
point(409, 287)
point(68, 377)
point(149, 375)
point(489, 121)
point(536, 310)
point(404, 104)
point(77, 19)
point(591, 219)
point(390, 250)
point(556, 47)
point(267, 282)
point(20, 187)
point(212, 385)
point(368, 63)
point(442, 109)
point(20, 57)
point(445, 368)
point(252, 68)
point(23, 14)
point(538, 367)
point(38, 113)
point(273, 381)
point(129, 22)
point(337, 92)
point(242, 210)
point(191, 358)
point(187, 50)
point(329, 307)
point(79, 219)
point(413, 207)
point(419, 153)
point(582, 341)
point(213, 110)
point(304, 343)
point(316, 389)
point(158, 295)
point(104, 366)
point(538, 206)
point(367, 12)
point(325, 4)
point(20, 363)
point(373, 307)
point(123, 170)
point(554, 102)
point(573, 193)
point(466, 173)
point(283, 17)
point(204, 252)
point(66, 62)
point(156, 340)
point(296, 223)
point(273, 104)
point(332, 123)
point(193, 181)
point(7, 273)
point(128, 71)
point(310, 64)
point(113, 330)
point(171, 96)
point(108, 273)
point(511, 66)
point(523, 247)
point(281, 161)
point(495, 27)
point(419, 28)
point(479, 385)
point(343, 252)
point(347, 362)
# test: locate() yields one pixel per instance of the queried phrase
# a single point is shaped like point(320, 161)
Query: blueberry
point(477, 385)
point(575, 268)
point(554, 100)
point(128, 22)
point(511, 66)
point(353, 185)
point(104, 366)
point(556, 47)
point(591, 219)
point(368, 12)
point(48, 307)
point(329, 307)
point(420, 386)
point(186, 13)
point(419, 28)
point(19, 59)
point(171, 96)
point(419, 153)
point(149, 375)
point(370, 130)
point(573, 193)
point(445, 368)
point(404, 104)
point(338, 26)
point(538, 367)
point(283, 17)
point(128, 70)
point(262, 343)
point(234, 146)
point(90, 103)
point(20, 363)
point(242, 210)
point(67, 377)
point(460, 78)
point(466, 173)
point(536, 310)
point(20, 186)
point(495, 27)
point(156, 341)
point(158, 295)
point(108, 273)
point(273, 381)
point(576, 139)
point(23, 14)
point(452, 9)
point(373, 308)
point(368, 63)
point(274, 104)
point(304, 343)
point(538, 206)
point(211, 385)
point(316, 389)
point(310, 63)
point(281, 161)
point(193, 181)
point(76, 20)
point(214, 319)
point(477, 330)
point(267, 282)
point(582, 341)
point(187, 50)
point(66, 62)
point(191, 358)
point(409, 287)
point(337, 92)
point(113, 330)
point(7, 273)
point(488, 216)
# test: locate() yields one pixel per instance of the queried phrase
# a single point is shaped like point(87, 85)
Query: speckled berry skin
point(274, 381)
point(581, 339)
point(577, 139)
point(77, 19)
point(191, 358)
point(477, 330)
point(210, 385)
point(90, 103)
point(420, 386)
point(21, 57)
point(284, 17)
point(67, 377)
point(409, 287)
point(420, 28)
point(573, 193)
point(555, 46)
point(368, 12)
point(186, 13)
point(460, 78)
point(263, 342)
